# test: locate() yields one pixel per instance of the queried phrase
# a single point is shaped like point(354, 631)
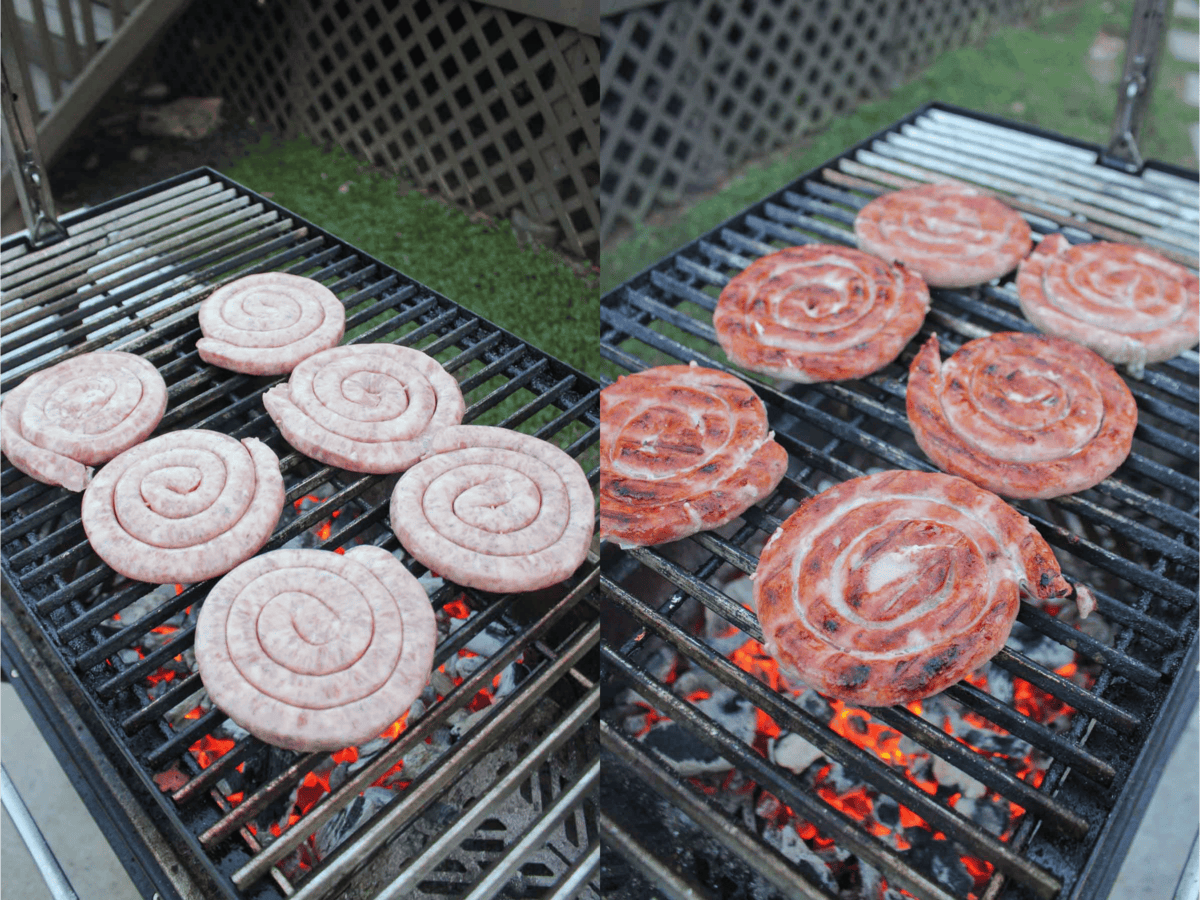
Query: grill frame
point(158, 840)
point(640, 307)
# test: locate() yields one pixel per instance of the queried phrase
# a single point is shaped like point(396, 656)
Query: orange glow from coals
point(209, 749)
point(1039, 705)
point(855, 725)
point(457, 609)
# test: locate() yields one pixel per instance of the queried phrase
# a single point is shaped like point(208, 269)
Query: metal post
point(1141, 65)
point(52, 873)
point(20, 142)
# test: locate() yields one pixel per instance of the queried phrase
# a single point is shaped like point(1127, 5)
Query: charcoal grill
point(1134, 537)
point(501, 802)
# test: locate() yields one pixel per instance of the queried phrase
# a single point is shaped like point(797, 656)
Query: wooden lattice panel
point(926, 29)
point(693, 86)
point(496, 110)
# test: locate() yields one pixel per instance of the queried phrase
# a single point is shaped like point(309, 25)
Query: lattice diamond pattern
point(693, 85)
point(496, 110)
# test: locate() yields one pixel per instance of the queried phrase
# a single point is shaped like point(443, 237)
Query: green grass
point(475, 261)
point(1032, 74)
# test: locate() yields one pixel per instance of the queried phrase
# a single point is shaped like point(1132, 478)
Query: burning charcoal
point(1039, 648)
point(129, 657)
point(681, 751)
point(941, 860)
point(338, 776)
point(948, 776)
point(694, 681)
point(431, 583)
point(874, 886)
point(787, 841)
point(887, 811)
point(793, 752)
point(175, 715)
point(733, 711)
point(342, 825)
point(840, 780)
point(1000, 684)
point(814, 704)
point(231, 729)
point(986, 813)
point(146, 604)
point(459, 729)
point(720, 634)
point(661, 663)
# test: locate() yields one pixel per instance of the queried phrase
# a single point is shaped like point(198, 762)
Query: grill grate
point(129, 276)
point(1133, 538)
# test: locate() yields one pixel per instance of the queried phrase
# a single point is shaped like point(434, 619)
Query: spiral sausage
point(184, 507)
point(953, 235)
point(80, 413)
point(366, 407)
point(682, 449)
point(312, 650)
point(889, 588)
point(819, 313)
point(495, 509)
point(266, 324)
point(1021, 415)
point(1128, 304)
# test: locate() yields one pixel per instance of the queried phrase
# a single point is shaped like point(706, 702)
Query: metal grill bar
point(828, 821)
point(1131, 538)
point(583, 712)
point(766, 860)
point(793, 719)
point(408, 805)
point(138, 267)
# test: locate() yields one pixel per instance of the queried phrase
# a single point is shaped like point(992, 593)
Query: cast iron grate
point(1133, 538)
point(511, 669)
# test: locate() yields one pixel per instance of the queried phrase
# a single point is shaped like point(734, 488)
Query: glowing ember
point(458, 609)
point(209, 749)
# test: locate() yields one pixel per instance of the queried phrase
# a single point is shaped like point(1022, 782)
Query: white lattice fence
point(496, 110)
point(696, 85)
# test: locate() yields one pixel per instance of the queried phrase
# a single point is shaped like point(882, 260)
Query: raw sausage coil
point(1020, 414)
point(495, 509)
point(266, 324)
point(819, 313)
point(889, 588)
point(366, 407)
point(953, 235)
point(312, 650)
point(1126, 303)
point(81, 413)
point(184, 507)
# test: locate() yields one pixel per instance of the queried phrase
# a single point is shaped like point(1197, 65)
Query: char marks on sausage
point(80, 413)
point(312, 650)
point(184, 507)
point(495, 509)
point(1022, 415)
point(953, 235)
point(819, 313)
point(1127, 303)
point(916, 583)
point(683, 449)
point(266, 324)
point(366, 407)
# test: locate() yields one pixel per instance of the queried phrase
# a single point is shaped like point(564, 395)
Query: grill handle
point(1146, 33)
point(43, 857)
point(20, 143)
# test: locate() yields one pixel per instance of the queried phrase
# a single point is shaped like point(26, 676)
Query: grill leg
point(52, 873)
